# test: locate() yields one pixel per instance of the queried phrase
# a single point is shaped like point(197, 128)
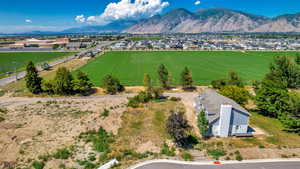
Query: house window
point(237, 127)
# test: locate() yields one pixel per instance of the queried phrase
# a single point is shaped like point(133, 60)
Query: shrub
point(142, 97)
point(187, 156)
point(234, 79)
point(166, 150)
point(38, 165)
point(100, 139)
point(175, 99)
point(238, 156)
point(62, 154)
point(105, 113)
point(218, 84)
point(217, 153)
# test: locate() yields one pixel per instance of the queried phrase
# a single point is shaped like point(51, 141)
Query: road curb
point(212, 162)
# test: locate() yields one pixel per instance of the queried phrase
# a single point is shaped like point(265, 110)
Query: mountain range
point(215, 19)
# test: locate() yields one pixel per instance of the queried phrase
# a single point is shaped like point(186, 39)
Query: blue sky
point(26, 15)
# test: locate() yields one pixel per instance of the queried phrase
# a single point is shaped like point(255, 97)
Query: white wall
point(225, 116)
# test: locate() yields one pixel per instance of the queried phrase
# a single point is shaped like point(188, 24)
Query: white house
point(226, 117)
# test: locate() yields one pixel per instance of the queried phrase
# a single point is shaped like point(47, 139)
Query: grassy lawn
point(206, 66)
point(275, 129)
point(22, 58)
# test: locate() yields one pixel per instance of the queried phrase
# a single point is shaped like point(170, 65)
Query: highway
point(20, 75)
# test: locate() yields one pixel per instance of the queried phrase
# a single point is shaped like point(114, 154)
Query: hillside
point(214, 19)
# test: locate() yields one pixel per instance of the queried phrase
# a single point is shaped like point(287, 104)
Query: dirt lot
point(32, 128)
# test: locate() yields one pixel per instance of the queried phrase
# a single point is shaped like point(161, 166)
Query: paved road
point(21, 75)
point(264, 165)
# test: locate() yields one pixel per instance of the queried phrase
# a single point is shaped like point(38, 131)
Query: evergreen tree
point(186, 79)
point(112, 84)
point(63, 82)
point(163, 76)
point(203, 124)
point(33, 81)
point(147, 81)
point(82, 82)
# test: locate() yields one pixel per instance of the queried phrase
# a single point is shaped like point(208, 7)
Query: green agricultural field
point(206, 66)
point(10, 60)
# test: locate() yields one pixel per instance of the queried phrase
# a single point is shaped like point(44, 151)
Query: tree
point(177, 127)
point(284, 70)
point(238, 94)
point(186, 78)
point(112, 85)
point(33, 81)
point(163, 76)
point(82, 83)
point(62, 83)
point(273, 99)
point(147, 81)
point(234, 79)
point(203, 124)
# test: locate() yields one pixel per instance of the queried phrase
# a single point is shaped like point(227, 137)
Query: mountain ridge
point(215, 19)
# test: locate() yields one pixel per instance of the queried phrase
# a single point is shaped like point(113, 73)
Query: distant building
point(48, 43)
point(226, 117)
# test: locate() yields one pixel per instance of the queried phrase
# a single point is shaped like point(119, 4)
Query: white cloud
point(128, 9)
point(80, 19)
point(197, 2)
point(28, 20)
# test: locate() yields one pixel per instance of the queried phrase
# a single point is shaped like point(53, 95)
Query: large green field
point(10, 60)
point(206, 66)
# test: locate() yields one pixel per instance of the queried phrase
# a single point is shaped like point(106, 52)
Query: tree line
point(64, 83)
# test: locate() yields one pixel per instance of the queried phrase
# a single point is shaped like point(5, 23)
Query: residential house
point(226, 117)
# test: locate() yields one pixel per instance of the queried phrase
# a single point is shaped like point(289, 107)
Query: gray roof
point(211, 101)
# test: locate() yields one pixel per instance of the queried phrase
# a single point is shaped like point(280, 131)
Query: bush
point(38, 165)
point(238, 156)
point(217, 153)
point(238, 94)
point(62, 154)
point(48, 86)
point(175, 99)
point(187, 156)
point(218, 84)
point(100, 140)
point(105, 113)
point(166, 150)
point(234, 79)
